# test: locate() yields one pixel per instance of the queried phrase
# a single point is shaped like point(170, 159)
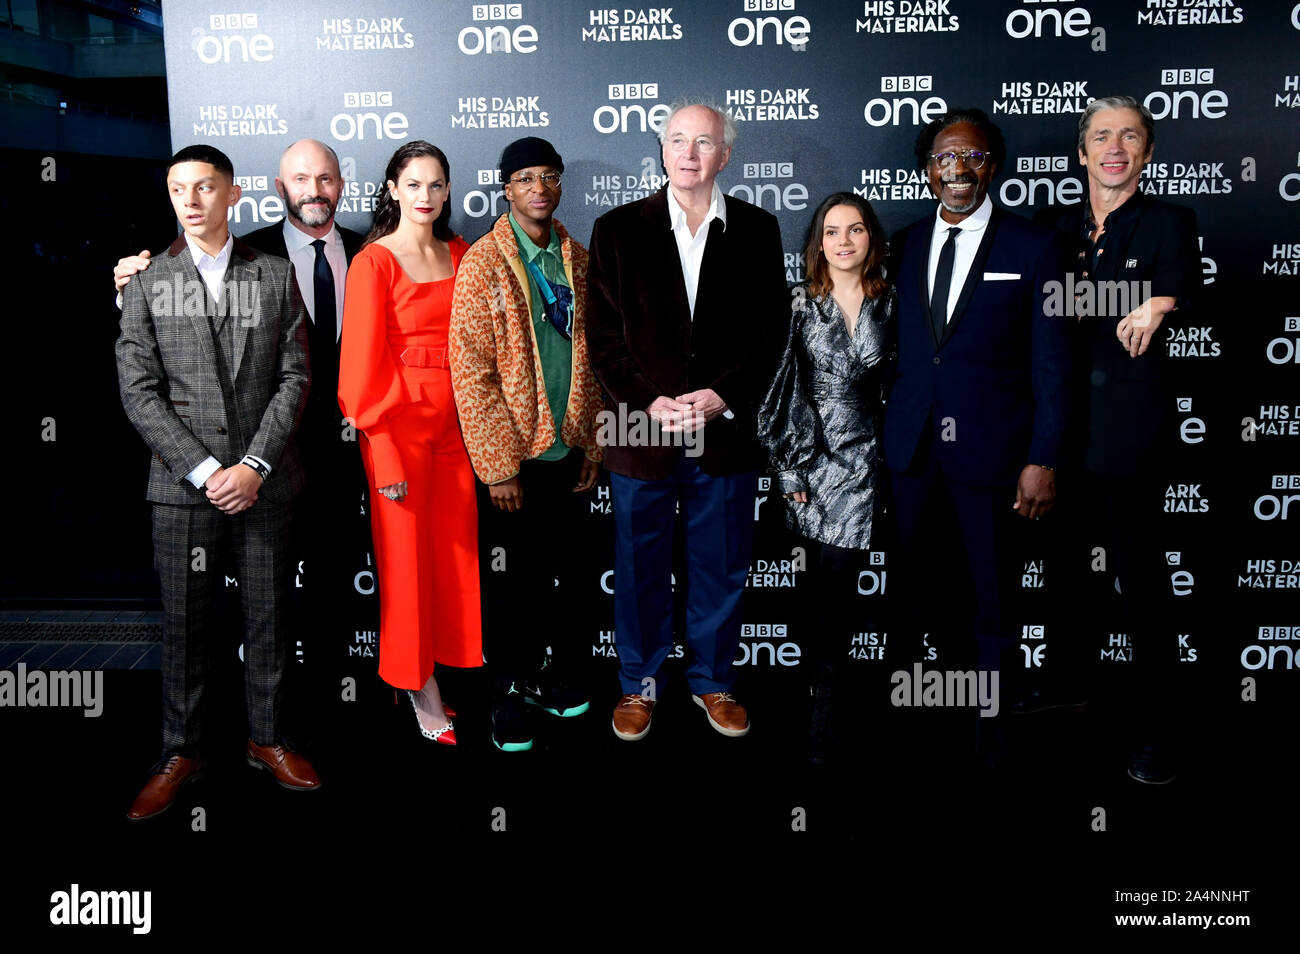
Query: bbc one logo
point(1274, 648)
point(889, 111)
point(230, 40)
point(484, 201)
point(258, 201)
point(1031, 185)
point(1284, 350)
point(503, 36)
point(1277, 506)
point(772, 191)
point(1036, 20)
point(1184, 102)
point(1191, 430)
point(632, 107)
point(773, 30)
point(362, 120)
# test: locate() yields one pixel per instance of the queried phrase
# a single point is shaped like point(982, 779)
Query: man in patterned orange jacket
point(528, 402)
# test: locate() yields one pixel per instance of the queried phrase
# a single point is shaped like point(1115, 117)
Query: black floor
point(900, 830)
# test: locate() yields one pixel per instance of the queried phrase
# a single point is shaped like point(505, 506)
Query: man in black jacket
point(1136, 266)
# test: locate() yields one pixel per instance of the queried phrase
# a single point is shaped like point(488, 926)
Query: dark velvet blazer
point(643, 342)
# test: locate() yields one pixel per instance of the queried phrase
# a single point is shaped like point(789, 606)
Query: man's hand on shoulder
point(233, 489)
point(128, 267)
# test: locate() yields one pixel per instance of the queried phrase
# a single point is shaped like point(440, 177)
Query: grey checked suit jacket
point(168, 371)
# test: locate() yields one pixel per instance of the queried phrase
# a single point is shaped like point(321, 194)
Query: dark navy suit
point(970, 410)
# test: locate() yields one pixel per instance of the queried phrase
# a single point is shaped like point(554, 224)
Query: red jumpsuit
point(395, 385)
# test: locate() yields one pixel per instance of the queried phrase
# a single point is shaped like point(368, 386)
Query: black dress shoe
point(990, 742)
point(1036, 701)
point(1152, 765)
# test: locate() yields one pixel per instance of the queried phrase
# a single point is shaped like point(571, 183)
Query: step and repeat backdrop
point(829, 96)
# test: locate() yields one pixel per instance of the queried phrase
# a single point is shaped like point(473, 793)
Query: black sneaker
point(510, 731)
point(1038, 701)
point(546, 691)
point(1153, 765)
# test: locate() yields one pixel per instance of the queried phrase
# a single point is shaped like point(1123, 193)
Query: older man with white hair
point(687, 310)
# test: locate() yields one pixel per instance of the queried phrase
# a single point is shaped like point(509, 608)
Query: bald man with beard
point(311, 184)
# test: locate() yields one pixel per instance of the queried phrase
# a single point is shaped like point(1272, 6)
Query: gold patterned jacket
point(495, 367)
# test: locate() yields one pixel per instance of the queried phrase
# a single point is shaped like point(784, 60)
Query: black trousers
point(1119, 515)
point(835, 605)
point(523, 612)
point(937, 515)
point(330, 533)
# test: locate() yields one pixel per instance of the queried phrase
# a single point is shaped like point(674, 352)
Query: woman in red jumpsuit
point(395, 386)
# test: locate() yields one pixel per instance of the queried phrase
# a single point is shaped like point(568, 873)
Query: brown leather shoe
point(725, 714)
point(161, 789)
point(290, 769)
point(632, 717)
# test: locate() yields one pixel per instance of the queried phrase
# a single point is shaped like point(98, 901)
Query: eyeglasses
point(704, 144)
point(973, 158)
point(550, 180)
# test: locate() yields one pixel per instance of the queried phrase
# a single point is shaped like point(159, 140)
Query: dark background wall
point(830, 96)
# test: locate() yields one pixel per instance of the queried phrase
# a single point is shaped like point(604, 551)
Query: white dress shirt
point(690, 248)
point(968, 243)
point(303, 256)
point(212, 269)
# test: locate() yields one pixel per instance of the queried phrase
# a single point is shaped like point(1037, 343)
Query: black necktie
point(942, 283)
point(325, 312)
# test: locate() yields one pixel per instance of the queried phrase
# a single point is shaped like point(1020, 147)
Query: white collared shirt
point(212, 269)
point(303, 256)
point(968, 243)
point(690, 248)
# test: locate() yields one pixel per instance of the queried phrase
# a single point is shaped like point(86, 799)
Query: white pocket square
point(1001, 276)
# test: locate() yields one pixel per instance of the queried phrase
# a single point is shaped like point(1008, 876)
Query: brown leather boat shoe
point(632, 717)
point(725, 714)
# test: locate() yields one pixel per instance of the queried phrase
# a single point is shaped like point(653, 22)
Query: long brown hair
point(873, 267)
point(388, 212)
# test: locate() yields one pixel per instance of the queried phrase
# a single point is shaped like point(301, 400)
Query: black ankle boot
point(820, 738)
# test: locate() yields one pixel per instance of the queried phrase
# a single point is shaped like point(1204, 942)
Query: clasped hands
point(687, 412)
point(233, 490)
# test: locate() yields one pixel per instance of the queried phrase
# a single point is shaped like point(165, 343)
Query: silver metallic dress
point(822, 416)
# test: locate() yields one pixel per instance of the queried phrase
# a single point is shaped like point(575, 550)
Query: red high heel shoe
point(444, 736)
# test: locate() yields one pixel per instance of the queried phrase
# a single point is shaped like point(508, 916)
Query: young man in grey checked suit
point(212, 368)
